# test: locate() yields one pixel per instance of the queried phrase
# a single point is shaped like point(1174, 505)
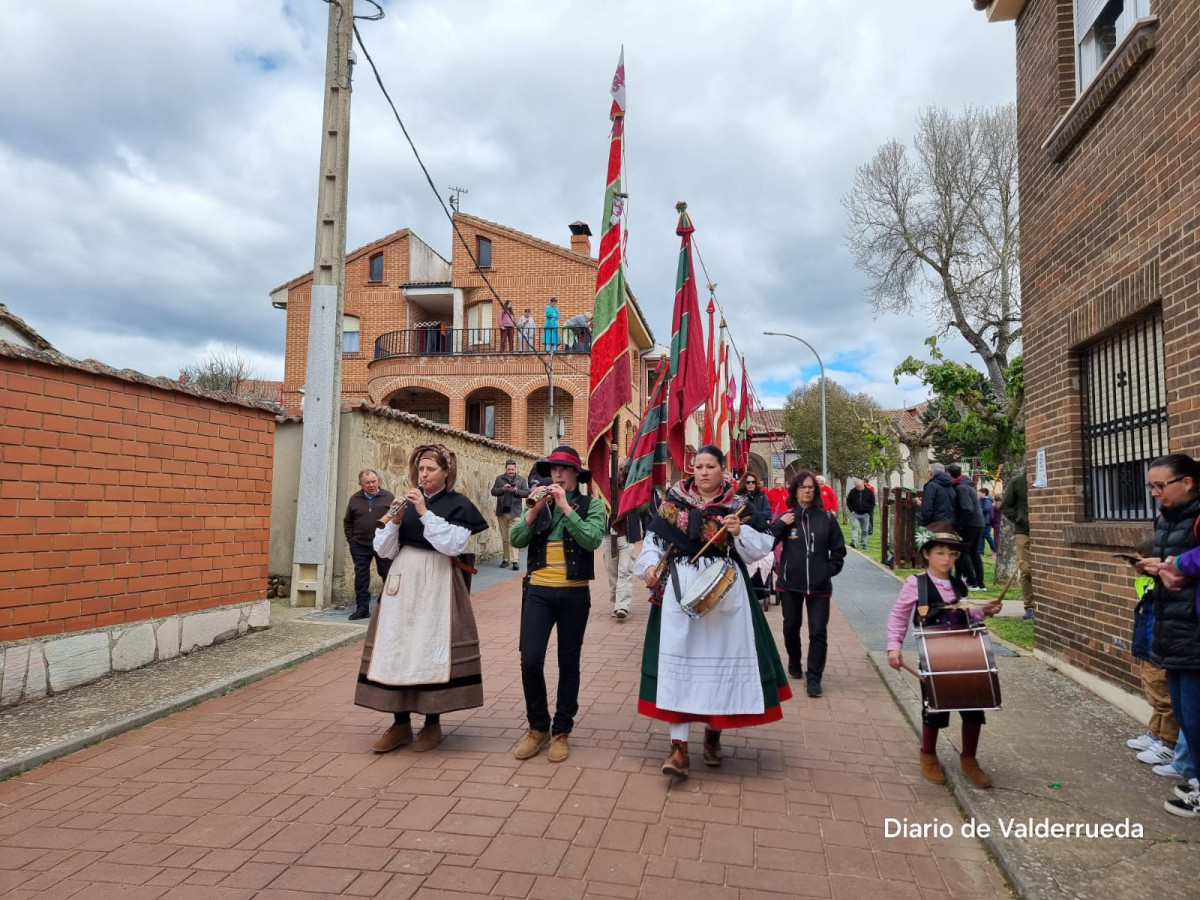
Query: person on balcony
point(579, 328)
point(527, 329)
point(508, 327)
point(551, 340)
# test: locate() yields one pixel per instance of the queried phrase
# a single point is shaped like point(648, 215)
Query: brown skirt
point(464, 690)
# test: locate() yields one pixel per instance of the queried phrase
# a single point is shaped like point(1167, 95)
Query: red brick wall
point(122, 500)
point(1109, 231)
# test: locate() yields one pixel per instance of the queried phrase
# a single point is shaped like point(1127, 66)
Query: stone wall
point(32, 669)
point(382, 439)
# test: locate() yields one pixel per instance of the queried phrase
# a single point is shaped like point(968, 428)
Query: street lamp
point(824, 434)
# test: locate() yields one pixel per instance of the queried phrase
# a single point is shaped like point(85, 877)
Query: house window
point(377, 267)
point(479, 324)
point(350, 343)
point(1124, 419)
point(1099, 26)
point(481, 418)
point(483, 252)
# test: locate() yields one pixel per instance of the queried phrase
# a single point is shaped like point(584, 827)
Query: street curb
point(1014, 868)
point(88, 737)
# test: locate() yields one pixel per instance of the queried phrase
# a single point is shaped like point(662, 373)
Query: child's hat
point(939, 533)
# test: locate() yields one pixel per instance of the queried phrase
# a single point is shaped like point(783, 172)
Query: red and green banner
point(689, 388)
point(648, 456)
point(610, 382)
point(742, 433)
point(710, 406)
point(722, 414)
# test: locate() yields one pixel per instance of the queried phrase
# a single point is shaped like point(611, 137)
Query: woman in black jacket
point(1175, 643)
point(813, 552)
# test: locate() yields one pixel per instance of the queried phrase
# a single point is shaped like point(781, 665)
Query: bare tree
point(939, 226)
point(229, 373)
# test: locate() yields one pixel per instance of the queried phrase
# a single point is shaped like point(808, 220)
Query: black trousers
point(362, 554)
point(542, 609)
point(970, 562)
point(818, 623)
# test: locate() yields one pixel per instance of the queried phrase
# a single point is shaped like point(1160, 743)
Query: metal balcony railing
point(433, 340)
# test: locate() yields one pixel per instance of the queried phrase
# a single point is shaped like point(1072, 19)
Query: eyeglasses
point(806, 487)
point(1160, 486)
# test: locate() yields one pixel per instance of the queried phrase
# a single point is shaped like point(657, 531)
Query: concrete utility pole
point(312, 560)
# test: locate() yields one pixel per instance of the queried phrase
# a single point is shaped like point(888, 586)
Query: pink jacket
point(902, 613)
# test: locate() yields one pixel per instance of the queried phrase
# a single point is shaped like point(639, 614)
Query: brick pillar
point(517, 420)
point(458, 413)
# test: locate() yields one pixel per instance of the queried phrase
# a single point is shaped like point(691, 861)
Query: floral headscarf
point(696, 517)
point(439, 453)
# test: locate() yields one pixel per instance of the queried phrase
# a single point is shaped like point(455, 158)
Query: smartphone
point(1129, 559)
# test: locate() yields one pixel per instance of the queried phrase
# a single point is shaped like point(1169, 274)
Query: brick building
point(421, 334)
point(1108, 113)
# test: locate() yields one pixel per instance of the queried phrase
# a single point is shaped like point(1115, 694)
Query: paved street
point(272, 792)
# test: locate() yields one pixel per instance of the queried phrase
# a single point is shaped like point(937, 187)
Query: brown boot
point(931, 768)
point(978, 777)
point(531, 744)
point(430, 737)
point(560, 749)
point(397, 736)
point(677, 763)
point(712, 747)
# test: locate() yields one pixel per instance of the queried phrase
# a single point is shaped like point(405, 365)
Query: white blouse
point(448, 539)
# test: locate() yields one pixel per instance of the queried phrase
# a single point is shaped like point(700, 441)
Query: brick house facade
point(422, 333)
point(1108, 111)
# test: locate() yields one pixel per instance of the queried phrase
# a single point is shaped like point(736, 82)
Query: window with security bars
point(1124, 419)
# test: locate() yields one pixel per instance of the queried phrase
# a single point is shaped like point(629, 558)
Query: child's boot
point(977, 776)
point(931, 768)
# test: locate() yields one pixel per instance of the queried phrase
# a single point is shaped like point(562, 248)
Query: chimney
point(581, 235)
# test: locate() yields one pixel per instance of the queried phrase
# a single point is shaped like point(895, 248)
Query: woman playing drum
point(940, 546)
point(422, 648)
point(680, 683)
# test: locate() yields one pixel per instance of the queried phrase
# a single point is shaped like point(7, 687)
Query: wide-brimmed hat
point(939, 533)
point(563, 456)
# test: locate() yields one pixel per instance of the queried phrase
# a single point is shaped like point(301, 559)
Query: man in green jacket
point(562, 530)
point(1015, 508)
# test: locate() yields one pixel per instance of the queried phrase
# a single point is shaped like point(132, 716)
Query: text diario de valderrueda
point(1018, 828)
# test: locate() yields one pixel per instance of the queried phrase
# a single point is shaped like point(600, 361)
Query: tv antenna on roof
point(455, 192)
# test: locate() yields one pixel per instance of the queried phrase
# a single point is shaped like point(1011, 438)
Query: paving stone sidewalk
point(271, 792)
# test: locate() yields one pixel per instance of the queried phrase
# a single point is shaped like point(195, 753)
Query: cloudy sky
point(159, 160)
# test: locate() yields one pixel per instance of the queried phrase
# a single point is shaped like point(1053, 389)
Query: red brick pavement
point(272, 792)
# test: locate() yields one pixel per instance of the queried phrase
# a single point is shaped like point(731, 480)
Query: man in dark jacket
point(364, 510)
point(861, 503)
point(1015, 507)
point(813, 552)
point(937, 499)
point(509, 490)
point(968, 521)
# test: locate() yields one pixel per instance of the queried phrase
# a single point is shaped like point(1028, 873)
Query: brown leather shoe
point(430, 737)
point(531, 744)
point(931, 768)
point(677, 763)
point(559, 748)
point(712, 747)
point(397, 736)
point(977, 776)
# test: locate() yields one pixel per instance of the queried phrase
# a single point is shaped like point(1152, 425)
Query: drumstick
point(905, 665)
point(720, 531)
point(1003, 590)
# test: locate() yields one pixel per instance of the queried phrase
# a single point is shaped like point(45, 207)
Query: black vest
point(581, 564)
point(940, 612)
point(1176, 640)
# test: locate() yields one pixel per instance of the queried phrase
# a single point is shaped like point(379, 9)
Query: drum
point(706, 591)
point(958, 669)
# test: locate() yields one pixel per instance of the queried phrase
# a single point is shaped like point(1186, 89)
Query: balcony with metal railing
point(435, 340)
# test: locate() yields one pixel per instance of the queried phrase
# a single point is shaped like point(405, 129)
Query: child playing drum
point(939, 594)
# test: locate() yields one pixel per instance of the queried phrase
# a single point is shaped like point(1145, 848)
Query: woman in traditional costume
point(721, 669)
point(422, 648)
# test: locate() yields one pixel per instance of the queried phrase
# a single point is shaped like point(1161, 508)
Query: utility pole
point(312, 560)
